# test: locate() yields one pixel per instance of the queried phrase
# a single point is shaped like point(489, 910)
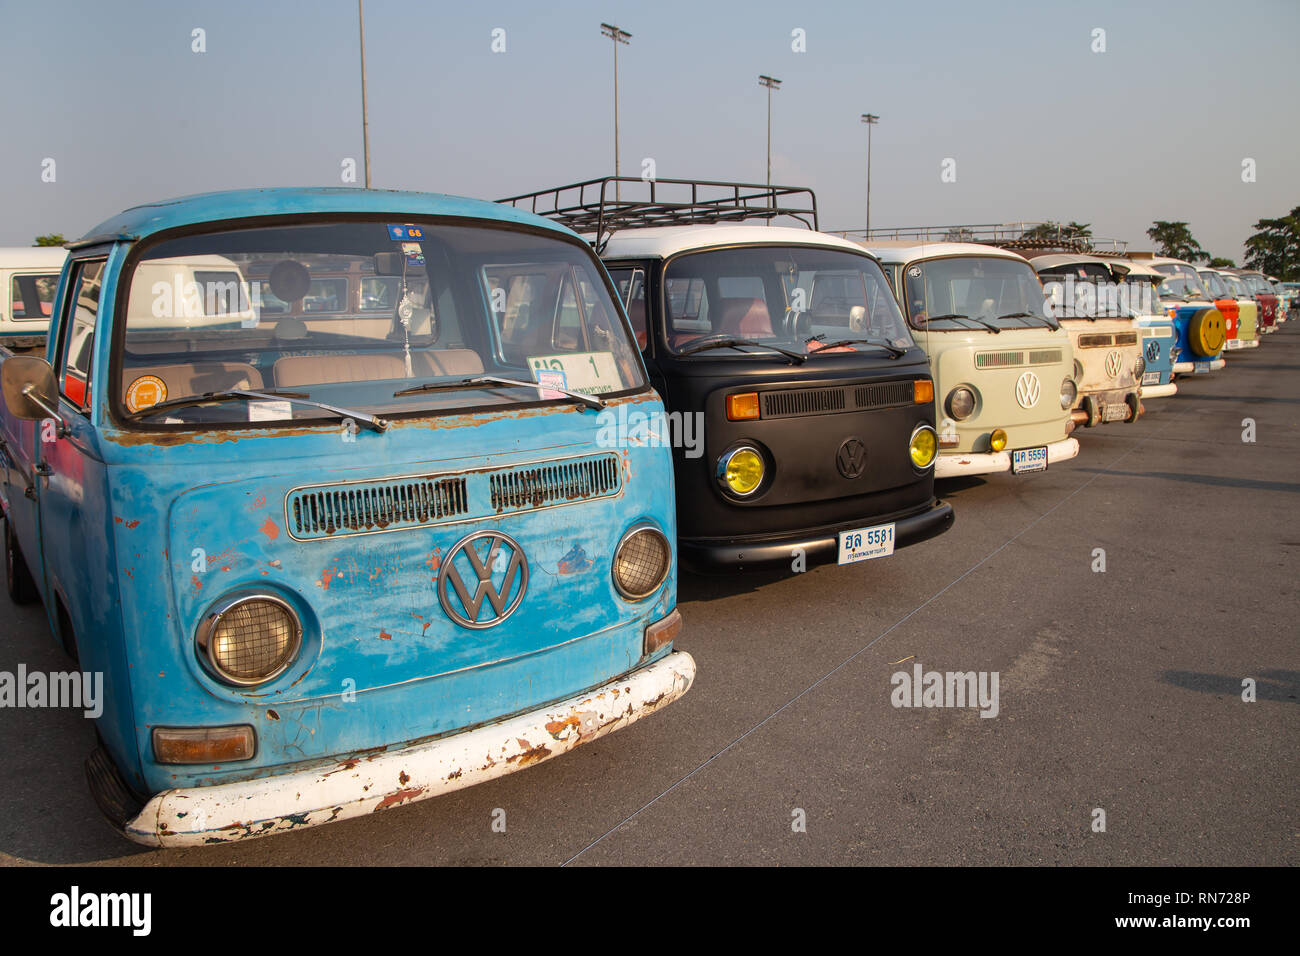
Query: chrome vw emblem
point(497, 566)
point(851, 459)
point(1113, 359)
point(1153, 350)
point(1028, 388)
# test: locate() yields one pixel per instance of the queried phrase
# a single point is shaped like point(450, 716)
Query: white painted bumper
point(1217, 364)
point(1189, 368)
point(1159, 391)
point(240, 811)
point(955, 465)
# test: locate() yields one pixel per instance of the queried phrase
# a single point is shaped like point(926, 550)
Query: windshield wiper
point(796, 358)
point(894, 350)
point(488, 381)
point(958, 315)
point(297, 398)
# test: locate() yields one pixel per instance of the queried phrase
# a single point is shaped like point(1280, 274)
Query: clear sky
point(1040, 126)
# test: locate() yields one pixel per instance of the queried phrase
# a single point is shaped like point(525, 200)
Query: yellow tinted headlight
point(998, 440)
point(741, 470)
point(923, 447)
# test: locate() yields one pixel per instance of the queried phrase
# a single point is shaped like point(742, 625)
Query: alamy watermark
point(946, 689)
point(70, 689)
point(620, 428)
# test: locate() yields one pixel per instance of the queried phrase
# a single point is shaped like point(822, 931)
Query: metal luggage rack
point(1009, 235)
point(597, 205)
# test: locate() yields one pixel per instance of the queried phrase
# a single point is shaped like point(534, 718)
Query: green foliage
point(1274, 248)
point(53, 239)
point(1175, 240)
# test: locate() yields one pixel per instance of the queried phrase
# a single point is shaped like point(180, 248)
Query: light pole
point(772, 84)
point(870, 119)
point(618, 36)
point(365, 117)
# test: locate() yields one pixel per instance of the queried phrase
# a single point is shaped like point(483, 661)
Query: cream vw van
point(1108, 363)
point(1002, 364)
point(30, 275)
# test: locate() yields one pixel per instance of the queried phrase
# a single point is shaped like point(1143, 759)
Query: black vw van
point(800, 410)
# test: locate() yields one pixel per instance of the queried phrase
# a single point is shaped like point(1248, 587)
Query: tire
point(18, 579)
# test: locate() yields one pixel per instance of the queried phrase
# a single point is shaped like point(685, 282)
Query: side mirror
point(30, 392)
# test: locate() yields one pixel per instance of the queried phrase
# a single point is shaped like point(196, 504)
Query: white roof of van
point(660, 242)
point(909, 250)
point(32, 257)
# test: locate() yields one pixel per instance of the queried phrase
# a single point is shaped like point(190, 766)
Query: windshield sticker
point(591, 373)
point(914, 272)
point(414, 252)
point(269, 411)
point(553, 377)
point(145, 392)
point(400, 233)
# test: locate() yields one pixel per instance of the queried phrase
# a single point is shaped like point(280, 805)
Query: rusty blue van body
point(287, 478)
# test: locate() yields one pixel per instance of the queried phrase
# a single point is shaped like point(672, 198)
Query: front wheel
point(18, 579)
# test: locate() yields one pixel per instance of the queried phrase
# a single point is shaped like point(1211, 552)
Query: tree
point(1274, 248)
point(1218, 262)
point(53, 239)
point(1070, 234)
point(1174, 239)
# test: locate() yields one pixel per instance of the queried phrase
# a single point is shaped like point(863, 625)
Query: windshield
point(1214, 284)
point(349, 313)
point(1183, 282)
point(793, 298)
point(962, 293)
point(1257, 284)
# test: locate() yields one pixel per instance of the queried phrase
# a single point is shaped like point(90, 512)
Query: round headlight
point(923, 446)
point(1139, 368)
point(961, 403)
point(998, 439)
point(740, 470)
point(1069, 392)
point(1078, 370)
point(641, 562)
point(249, 638)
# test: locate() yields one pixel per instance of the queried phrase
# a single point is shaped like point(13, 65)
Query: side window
point(630, 284)
point(79, 332)
point(32, 296)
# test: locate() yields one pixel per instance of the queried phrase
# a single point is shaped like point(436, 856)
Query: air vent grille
point(382, 506)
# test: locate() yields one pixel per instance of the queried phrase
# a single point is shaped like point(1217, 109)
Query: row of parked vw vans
point(28, 278)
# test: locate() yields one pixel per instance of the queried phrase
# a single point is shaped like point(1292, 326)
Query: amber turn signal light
point(922, 391)
point(742, 407)
point(662, 632)
point(204, 744)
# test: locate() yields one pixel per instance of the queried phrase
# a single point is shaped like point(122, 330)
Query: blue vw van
point(338, 536)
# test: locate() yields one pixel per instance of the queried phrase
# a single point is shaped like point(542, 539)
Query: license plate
point(1151, 378)
point(1029, 459)
point(1200, 368)
point(1117, 413)
point(866, 543)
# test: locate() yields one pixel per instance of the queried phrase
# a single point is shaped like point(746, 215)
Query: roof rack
point(597, 205)
point(1008, 235)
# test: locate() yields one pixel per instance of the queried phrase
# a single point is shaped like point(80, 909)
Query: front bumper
point(226, 813)
point(819, 546)
point(956, 465)
point(1189, 368)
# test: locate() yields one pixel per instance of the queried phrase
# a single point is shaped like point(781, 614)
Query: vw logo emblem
point(1153, 350)
point(1113, 359)
point(851, 459)
point(495, 565)
point(1028, 389)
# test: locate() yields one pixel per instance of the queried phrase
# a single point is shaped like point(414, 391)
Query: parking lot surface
point(1119, 690)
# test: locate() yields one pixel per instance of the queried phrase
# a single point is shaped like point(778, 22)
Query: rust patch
point(194, 580)
point(385, 636)
point(556, 727)
point(326, 577)
point(455, 775)
point(530, 756)
point(258, 502)
point(403, 778)
point(400, 797)
point(272, 715)
point(271, 530)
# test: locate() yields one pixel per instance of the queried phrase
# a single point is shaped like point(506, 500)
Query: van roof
point(909, 250)
point(141, 221)
point(660, 242)
point(32, 257)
